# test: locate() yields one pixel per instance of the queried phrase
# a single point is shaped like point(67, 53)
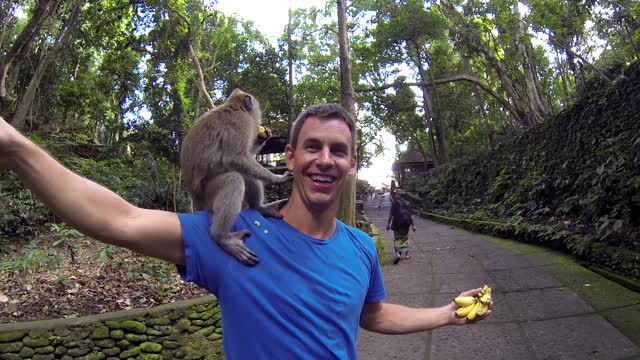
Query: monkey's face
point(321, 162)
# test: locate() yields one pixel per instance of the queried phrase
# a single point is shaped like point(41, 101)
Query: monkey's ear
point(248, 102)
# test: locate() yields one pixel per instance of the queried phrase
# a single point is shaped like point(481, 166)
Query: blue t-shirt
point(304, 298)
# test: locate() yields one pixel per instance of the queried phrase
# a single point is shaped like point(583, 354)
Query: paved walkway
point(545, 306)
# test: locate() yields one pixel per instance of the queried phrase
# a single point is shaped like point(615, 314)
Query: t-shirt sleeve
point(376, 291)
point(205, 261)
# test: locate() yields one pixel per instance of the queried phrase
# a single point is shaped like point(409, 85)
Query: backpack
point(402, 215)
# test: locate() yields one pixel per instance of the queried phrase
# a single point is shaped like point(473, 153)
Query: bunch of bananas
point(473, 306)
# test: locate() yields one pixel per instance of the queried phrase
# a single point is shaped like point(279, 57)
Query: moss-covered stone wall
point(188, 329)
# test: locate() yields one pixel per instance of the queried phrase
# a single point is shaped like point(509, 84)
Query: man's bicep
point(155, 233)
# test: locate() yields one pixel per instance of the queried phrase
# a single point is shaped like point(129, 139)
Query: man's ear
point(288, 156)
point(354, 165)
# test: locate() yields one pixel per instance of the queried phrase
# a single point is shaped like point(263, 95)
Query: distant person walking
point(400, 220)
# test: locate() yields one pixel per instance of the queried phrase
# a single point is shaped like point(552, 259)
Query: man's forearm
point(394, 319)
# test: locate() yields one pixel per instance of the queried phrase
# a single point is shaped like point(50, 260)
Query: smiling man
point(318, 279)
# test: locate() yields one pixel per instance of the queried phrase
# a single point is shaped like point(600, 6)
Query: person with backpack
point(400, 220)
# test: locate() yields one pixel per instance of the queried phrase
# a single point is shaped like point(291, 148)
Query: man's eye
point(340, 151)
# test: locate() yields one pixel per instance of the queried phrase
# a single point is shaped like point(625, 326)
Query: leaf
point(3, 298)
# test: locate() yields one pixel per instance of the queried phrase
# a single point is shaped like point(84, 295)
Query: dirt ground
point(48, 278)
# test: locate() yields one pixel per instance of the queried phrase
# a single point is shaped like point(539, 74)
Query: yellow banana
point(474, 311)
point(482, 309)
point(465, 300)
point(464, 311)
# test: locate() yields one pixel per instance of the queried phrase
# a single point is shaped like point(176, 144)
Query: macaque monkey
point(221, 173)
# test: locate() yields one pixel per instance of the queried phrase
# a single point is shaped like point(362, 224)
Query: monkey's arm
point(248, 166)
point(89, 207)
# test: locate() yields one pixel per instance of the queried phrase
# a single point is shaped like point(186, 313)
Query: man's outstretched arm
point(394, 319)
point(87, 206)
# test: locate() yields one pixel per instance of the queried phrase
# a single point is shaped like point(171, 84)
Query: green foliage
point(157, 275)
point(21, 215)
point(277, 192)
point(581, 167)
point(30, 258)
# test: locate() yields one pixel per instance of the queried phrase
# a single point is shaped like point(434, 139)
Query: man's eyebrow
point(311, 140)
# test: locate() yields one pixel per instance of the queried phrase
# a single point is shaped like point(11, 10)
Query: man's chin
point(322, 202)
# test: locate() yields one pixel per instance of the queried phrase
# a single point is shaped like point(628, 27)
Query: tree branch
point(194, 58)
point(584, 61)
point(445, 80)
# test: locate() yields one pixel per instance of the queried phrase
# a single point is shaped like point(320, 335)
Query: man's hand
point(452, 307)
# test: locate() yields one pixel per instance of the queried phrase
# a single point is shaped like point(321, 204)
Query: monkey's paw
point(234, 245)
point(287, 176)
point(270, 210)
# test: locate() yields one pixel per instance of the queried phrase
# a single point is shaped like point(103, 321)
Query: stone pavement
point(545, 305)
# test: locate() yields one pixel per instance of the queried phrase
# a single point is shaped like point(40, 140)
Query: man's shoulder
point(206, 216)
point(356, 233)
point(352, 229)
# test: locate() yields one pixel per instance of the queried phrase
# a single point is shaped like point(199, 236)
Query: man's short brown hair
point(324, 111)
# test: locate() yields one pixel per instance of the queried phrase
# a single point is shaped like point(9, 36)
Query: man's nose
point(325, 157)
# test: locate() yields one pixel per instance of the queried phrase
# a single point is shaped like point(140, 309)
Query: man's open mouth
point(322, 179)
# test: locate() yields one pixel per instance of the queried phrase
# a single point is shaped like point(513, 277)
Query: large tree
point(346, 212)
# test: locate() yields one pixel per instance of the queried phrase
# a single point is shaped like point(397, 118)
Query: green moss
point(150, 347)
point(112, 324)
point(130, 353)
point(13, 347)
point(11, 336)
point(100, 332)
point(105, 343)
point(35, 342)
point(45, 350)
point(620, 261)
point(93, 356)
point(27, 352)
point(135, 327)
point(135, 337)
point(116, 334)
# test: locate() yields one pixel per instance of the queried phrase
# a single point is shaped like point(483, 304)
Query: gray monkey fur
point(220, 171)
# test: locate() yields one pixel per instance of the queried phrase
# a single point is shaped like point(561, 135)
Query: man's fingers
point(472, 292)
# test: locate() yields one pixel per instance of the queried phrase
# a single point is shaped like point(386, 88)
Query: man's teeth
point(320, 178)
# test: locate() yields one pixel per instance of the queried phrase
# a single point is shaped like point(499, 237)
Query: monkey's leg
point(228, 190)
point(254, 194)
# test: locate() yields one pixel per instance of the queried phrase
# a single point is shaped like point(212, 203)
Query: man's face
point(321, 161)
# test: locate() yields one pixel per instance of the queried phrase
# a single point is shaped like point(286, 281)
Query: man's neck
point(320, 224)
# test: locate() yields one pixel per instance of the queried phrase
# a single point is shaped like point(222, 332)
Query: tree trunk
point(27, 99)
point(291, 97)
point(21, 44)
point(513, 84)
point(430, 110)
point(347, 209)
point(530, 78)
